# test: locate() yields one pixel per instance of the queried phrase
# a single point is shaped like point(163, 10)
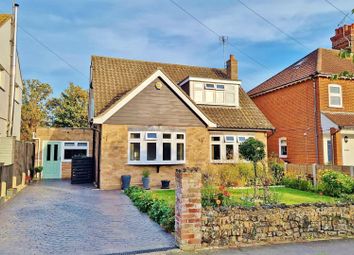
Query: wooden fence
point(313, 172)
point(23, 161)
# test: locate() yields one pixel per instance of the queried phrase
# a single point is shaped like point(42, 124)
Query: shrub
point(277, 172)
point(298, 183)
point(158, 210)
point(146, 173)
point(335, 183)
point(38, 169)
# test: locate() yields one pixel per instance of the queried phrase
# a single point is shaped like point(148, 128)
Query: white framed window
point(215, 94)
point(74, 148)
point(243, 138)
point(223, 148)
point(283, 147)
point(151, 136)
point(157, 147)
point(335, 96)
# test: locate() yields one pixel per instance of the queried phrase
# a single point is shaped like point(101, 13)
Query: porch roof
point(342, 119)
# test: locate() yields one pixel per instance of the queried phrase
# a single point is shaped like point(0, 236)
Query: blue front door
point(52, 160)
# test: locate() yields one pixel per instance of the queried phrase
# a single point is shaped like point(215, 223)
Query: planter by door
point(126, 181)
point(146, 182)
point(165, 184)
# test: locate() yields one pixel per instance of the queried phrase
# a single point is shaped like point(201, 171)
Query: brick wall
point(291, 111)
point(347, 92)
point(114, 156)
point(188, 208)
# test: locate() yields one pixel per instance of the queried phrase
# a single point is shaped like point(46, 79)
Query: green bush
point(277, 172)
point(298, 183)
point(158, 210)
point(38, 169)
point(335, 183)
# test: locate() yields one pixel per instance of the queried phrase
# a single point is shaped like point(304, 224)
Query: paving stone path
point(55, 217)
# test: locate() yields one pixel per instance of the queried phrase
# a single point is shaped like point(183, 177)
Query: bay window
point(156, 147)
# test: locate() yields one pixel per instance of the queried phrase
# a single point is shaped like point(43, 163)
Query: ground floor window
point(283, 147)
point(74, 149)
point(224, 148)
point(156, 147)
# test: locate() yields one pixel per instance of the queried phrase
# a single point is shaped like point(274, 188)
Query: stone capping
point(188, 170)
point(278, 206)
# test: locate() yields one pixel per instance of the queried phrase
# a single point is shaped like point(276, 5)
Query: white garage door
point(348, 150)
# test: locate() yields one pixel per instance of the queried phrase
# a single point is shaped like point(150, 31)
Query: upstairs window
point(283, 148)
point(215, 94)
point(335, 96)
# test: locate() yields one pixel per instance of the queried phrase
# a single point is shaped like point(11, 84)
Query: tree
point(70, 109)
point(253, 150)
point(35, 95)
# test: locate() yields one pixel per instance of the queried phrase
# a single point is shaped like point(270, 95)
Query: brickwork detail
point(188, 208)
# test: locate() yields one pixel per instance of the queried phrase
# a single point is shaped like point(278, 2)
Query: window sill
point(223, 162)
point(145, 163)
point(336, 107)
point(283, 156)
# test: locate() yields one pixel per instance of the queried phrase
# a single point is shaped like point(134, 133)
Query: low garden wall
point(235, 226)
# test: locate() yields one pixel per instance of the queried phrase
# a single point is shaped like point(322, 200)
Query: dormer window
point(213, 92)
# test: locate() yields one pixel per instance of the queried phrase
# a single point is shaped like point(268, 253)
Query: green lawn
point(286, 195)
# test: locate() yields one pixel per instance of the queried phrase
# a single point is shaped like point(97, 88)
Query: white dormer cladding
point(213, 91)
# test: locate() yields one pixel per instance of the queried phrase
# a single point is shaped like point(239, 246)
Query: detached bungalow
point(158, 116)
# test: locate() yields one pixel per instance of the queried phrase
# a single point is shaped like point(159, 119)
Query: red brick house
point(312, 113)
point(160, 117)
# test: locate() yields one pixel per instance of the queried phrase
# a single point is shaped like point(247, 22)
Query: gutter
point(242, 129)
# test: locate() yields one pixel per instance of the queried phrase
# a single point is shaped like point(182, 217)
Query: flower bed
point(157, 209)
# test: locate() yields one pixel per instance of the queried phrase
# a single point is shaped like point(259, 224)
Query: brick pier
point(188, 208)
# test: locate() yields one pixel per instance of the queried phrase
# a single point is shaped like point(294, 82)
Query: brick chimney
point(232, 68)
point(344, 38)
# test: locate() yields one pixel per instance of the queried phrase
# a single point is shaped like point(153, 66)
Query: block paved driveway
point(55, 217)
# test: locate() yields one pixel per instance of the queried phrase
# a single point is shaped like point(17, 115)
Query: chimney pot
point(232, 68)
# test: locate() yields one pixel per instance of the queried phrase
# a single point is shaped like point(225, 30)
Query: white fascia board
point(209, 80)
point(123, 101)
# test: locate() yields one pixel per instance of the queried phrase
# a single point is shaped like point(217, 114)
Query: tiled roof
point(247, 116)
point(320, 61)
point(342, 119)
point(112, 78)
point(4, 18)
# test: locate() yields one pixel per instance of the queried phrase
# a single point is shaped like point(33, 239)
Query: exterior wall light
point(346, 139)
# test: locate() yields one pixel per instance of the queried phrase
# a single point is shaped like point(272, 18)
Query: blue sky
point(156, 30)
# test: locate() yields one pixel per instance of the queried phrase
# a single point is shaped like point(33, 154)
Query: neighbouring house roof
point(113, 78)
point(342, 119)
point(320, 61)
point(4, 18)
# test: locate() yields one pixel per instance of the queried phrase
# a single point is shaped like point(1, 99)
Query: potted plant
point(165, 184)
point(38, 170)
point(146, 179)
point(126, 181)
